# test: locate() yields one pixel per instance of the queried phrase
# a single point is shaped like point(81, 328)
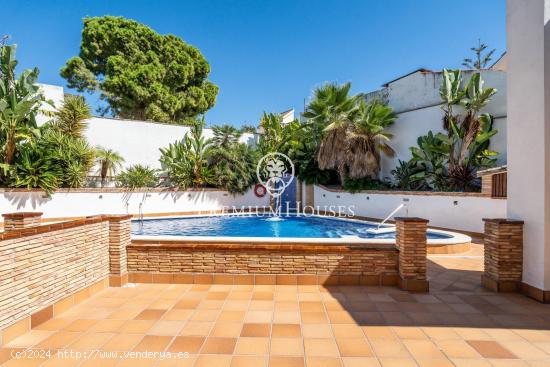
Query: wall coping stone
point(411, 219)
point(503, 221)
point(413, 193)
point(26, 232)
point(21, 215)
point(251, 246)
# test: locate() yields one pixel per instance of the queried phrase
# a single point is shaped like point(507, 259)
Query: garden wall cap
point(116, 217)
point(411, 219)
point(21, 215)
point(503, 220)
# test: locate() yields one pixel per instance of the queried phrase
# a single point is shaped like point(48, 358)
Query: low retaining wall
point(184, 261)
point(45, 269)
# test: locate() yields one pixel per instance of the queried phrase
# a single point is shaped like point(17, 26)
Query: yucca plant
point(71, 117)
point(34, 168)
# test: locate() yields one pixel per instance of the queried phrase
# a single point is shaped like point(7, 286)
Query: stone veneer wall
point(46, 269)
point(355, 265)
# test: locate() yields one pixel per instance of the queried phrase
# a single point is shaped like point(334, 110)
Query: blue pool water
point(259, 226)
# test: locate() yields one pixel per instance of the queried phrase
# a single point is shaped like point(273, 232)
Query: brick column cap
point(119, 217)
point(503, 221)
point(21, 215)
point(411, 219)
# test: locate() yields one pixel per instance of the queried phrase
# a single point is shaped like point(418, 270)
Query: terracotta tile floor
point(456, 324)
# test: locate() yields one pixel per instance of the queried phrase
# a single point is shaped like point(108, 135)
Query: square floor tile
point(219, 346)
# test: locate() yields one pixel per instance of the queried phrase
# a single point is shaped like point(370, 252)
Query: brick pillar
point(119, 238)
point(503, 255)
point(19, 221)
point(412, 244)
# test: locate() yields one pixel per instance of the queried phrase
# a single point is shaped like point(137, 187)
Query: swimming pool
point(258, 226)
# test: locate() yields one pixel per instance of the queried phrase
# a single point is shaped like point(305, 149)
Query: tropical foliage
point(20, 100)
point(70, 119)
point(351, 132)
point(220, 162)
point(450, 161)
point(141, 74)
point(51, 156)
point(137, 176)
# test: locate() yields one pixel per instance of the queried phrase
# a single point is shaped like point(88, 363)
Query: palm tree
point(366, 140)
point(332, 109)
point(70, 119)
point(225, 136)
point(109, 162)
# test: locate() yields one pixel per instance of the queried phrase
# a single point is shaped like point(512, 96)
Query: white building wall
point(447, 211)
point(528, 43)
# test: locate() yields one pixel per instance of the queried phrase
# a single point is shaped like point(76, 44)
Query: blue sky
point(270, 55)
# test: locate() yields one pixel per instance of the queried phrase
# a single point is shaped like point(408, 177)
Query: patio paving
point(457, 324)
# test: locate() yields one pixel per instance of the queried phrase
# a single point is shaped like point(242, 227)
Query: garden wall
point(46, 269)
point(461, 211)
point(82, 202)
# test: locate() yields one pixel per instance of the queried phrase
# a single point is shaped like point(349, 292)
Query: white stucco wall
point(137, 141)
point(76, 203)
point(528, 44)
point(449, 211)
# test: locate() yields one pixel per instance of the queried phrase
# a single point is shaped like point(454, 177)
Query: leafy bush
point(186, 162)
point(409, 175)
point(138, 176)
point(234, 168)
point(35, 168)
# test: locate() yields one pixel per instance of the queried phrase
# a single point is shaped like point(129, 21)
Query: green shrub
point(138, 176)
